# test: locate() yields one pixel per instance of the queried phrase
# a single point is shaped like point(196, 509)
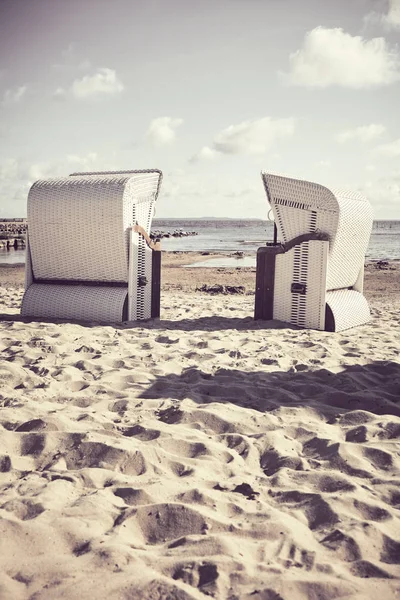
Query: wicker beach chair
point(89, 255)
point(312, 276)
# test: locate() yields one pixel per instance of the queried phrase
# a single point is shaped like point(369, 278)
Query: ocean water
point(230, 235)
point(11, 257)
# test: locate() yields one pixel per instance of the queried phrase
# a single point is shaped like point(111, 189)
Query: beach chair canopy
point(323, 237)
point(85, 260)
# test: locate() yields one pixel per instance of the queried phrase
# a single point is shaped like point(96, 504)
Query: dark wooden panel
point(265, 278)
point(155, 284)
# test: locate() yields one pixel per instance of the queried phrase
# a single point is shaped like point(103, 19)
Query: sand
point(200, 455)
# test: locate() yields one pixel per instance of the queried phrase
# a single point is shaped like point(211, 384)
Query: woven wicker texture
point(79, 231)
point(78, 225)
point(346, 217)
point(349, 246)
point(305, 264)
point(302, 206)
point(350, 308)
point(77, 302)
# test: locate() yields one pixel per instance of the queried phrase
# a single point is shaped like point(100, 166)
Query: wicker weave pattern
point(77, 225)
point(346, 217)
point(304, 264)
point(86, 303)
point(79, 231)
point(301, 207)
point(350, 308)
point(350, 242)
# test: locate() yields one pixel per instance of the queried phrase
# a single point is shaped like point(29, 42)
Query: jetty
point(177, 233)
point(13, 232)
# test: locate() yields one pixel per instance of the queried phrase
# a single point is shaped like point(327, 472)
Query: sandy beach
point(203, 454)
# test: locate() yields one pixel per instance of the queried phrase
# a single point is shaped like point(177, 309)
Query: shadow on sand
point(213, 323)
point(373, 387)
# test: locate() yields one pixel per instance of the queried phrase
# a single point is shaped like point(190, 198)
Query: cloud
point(391, 149)
point(17, 176)
point(365, 133)
point(334, 57)
point(248, 137)
point(162, 130)
point(392, 18)
point(103, 83)
point(323, 163)
point(83, 163)
point(14, 96)
point(206, 153)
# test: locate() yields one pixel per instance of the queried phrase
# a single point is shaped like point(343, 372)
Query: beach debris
point(159, 234)
point(382, 265)
point(221, 289)
point(238, 254)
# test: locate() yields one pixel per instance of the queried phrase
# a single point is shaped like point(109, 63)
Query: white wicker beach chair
point(313, 276)
point(89, 255)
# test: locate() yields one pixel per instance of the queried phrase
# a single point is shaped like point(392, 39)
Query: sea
point(246, 235)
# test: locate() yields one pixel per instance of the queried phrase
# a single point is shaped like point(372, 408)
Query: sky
point(209, 91)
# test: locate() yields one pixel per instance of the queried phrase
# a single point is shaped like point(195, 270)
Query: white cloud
point(162, 130)
point(42, 170)
point(14, 96)
point(83, 163)
point(392, 18)
point(206, 153)
point(17, 176)
point(364, 133)
point(334, 57)
point(323, 163)
point(251, 137)
point(103, 83)
point(392, 149)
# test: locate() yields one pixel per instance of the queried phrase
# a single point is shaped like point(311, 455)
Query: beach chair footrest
point(345, 309)
point(76, 302)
